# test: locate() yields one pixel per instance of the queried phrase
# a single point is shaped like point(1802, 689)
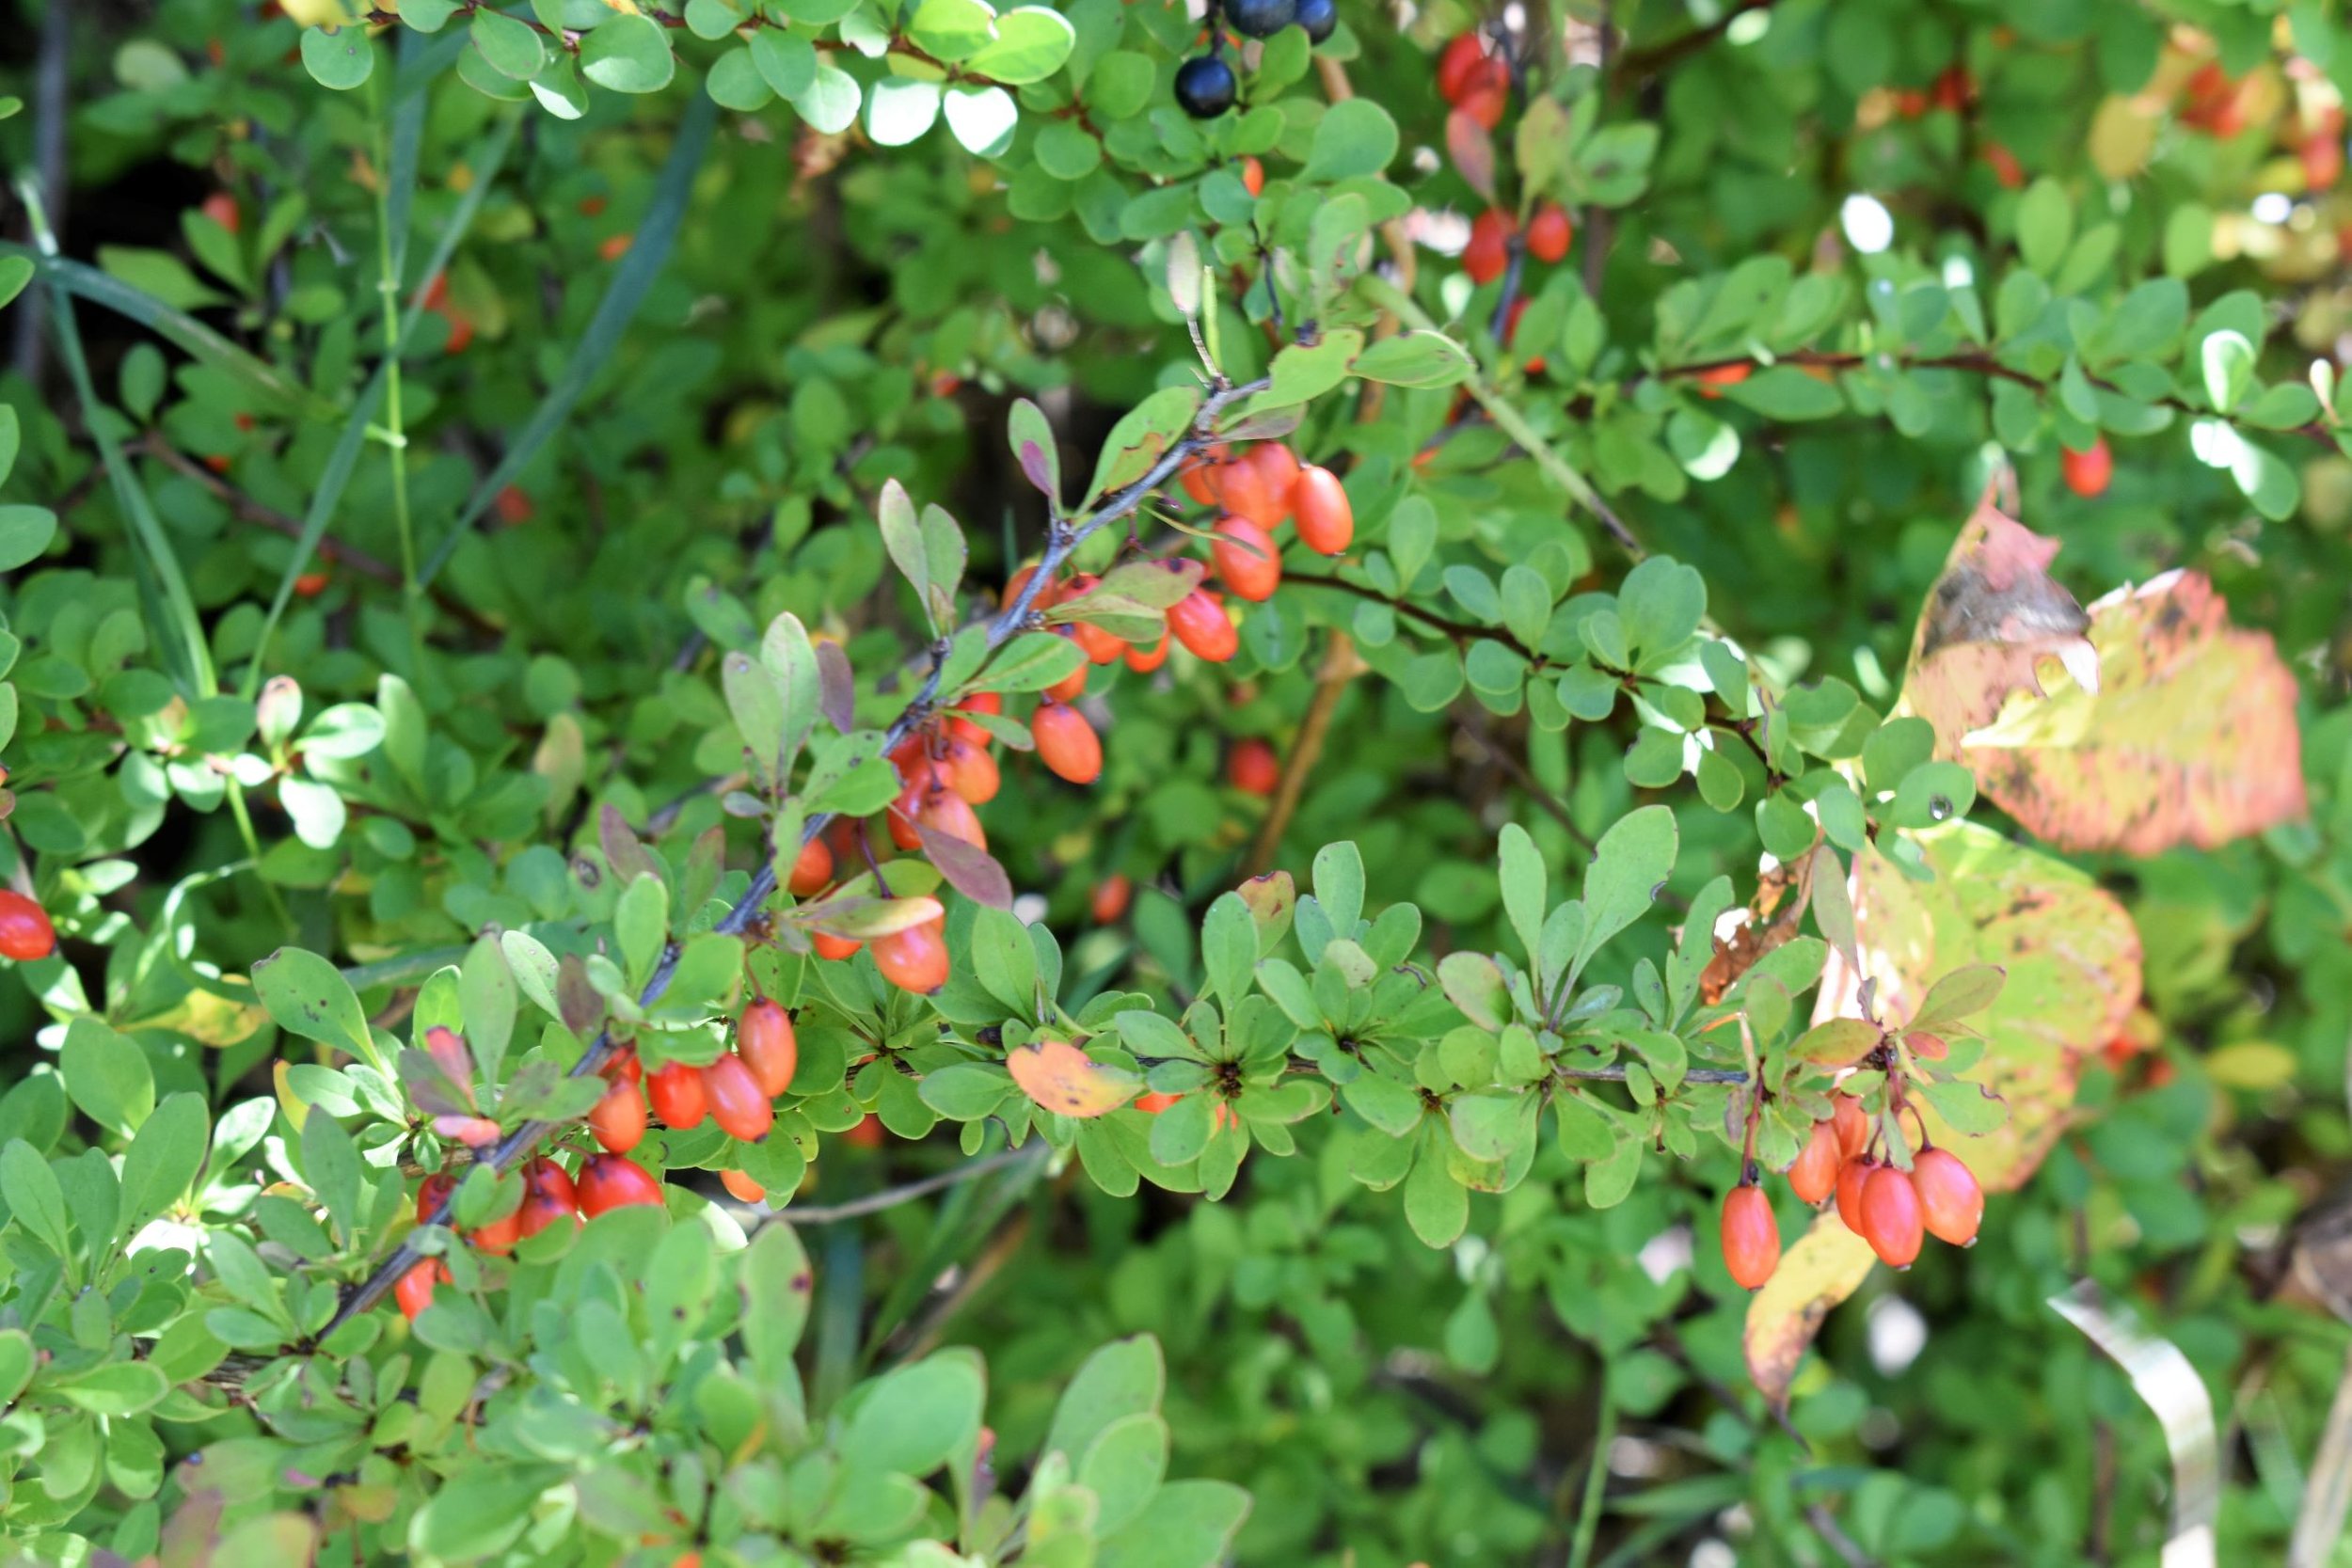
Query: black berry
point(1261, 19)
point(1319, 17)
point(1205, 87)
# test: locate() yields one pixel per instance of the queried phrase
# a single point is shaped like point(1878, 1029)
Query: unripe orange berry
point(742, 1186)
point(414, 1290)
point(2086, 473)
point(1890, 1216)
point(1200, 623)
point(608, 1182)
point(1111, 896)
point(868, 1133)
point(1068, 688)
point(831, 946)
point(1066, 743)
point(1326, 519)
point(1851, 1176)
point(1548, 232)
point(1951, 1205)
point(769, 1046)
point(1246, 558)
point(677, 1093)
point(915, 959)
point(26, 933)
point(1144, 660)
point(1252, 176)
point(1722, 375)
point(432, 1192)
point(1152, 1103)
point(968, 769)
point(1279, 466)
point(812, 870)
point(501, 1234)
point(1751, 1237)
point(1814, 1177)
point(1101, 646)
point(1246, 489)
point(737, 1103)
point(978, 702)
point(944, 811)
point(1853, 1123)
point(1253, 767)
point(618, 1120)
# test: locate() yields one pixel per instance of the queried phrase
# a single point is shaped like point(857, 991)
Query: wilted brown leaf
point(1828, 1264)
point(2175, 727)
point(2072, 956)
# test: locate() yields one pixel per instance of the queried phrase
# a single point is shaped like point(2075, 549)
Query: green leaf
point(899, 111)
point(1786, 392)
point(1123, 1468)
point(1031, 43)
point(330, 1161)
point(2045, 223)
point(1228, 948)
point(1355, 136)
point(627, 54)
point(1632, 863)
point(1123, 1378)
point(341, 60)
point(1187, 1524)
point(1524, 883)
point(507, 45)
point(2228, 362)
point(1963, 993)
point(107, 1076)
point(308, 995)
point(24, 533)
point(1416, 358)
point(115, 1390)
point(777, 1289)
point(34, 1201)
point(163, 1160)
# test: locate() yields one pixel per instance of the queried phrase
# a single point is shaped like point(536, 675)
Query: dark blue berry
point(1261, 19)
point(1319, 17)
point(1205, 87)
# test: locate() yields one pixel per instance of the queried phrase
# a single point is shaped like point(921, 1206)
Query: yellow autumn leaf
point(1828, 1264)
point(1065, 1080)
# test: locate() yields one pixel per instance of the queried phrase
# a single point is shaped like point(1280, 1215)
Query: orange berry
point(1326, 519)
point(1853, 1123)
point(769, 1046)
point(738, 1102)
point(1463, 62)
point(2086, 473)
point(1151, 1104)
point(1066, 743)
point(677, 1092)
point(1722, 375)
point(964, 729)
point(868, 1133)
point(1200, 623)
point(2006, 168)
point(968, 769)
point(1144, 660)
point(1890, 1216)
point(1488, 251)
point(513, 506)
point(1252, 176)
point(1955, 88)
point(1489, 101)
point(1850, 1179)
point(1548, 232)
point(812, 869)
point(500, 1235)
point(1253, 767)
point(1751, 1237)
point(1278, 467)
point(614, 249)
point(26, 933)
point(222, 208)
point(1070, 685)
point(742, 1186)
point(309, 585)
point(944, 811)
point(608, 1182)
point(915, 959)
point(831, 946)
point(1246, 558)
point(1951, 1205)
point(414, 1290)
point(2323, 163)
point(1814, 1177)
point(1100, 645)
point(1111, 896)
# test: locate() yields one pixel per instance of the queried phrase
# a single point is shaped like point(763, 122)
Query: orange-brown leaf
point(1065, 1080)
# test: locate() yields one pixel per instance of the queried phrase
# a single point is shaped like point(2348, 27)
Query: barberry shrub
point(808, 783)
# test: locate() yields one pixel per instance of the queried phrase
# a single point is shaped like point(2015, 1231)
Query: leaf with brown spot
point(1068, 1082)
point(2072, 976)
point(1994, 614)
point(1828, 1264)
point(1473, 151)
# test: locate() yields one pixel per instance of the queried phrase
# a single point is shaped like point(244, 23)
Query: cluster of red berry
point(1892, 1208)
point(738, 1091)
point(1477, 82)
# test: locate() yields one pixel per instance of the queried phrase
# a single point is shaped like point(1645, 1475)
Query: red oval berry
point(737, 1103)
point(834, 947)
point(1951, 1205)
point(1814, 1177)
point(677, 1093)
point(915, 959)
point(1252, 176)
point(1246, 489)
point(608, 1182)
point(1462, 63)
point(26, 933)
point(868, 1133)
point(1486, 102)
point(1326, 519)
point(2086, 473)
point(742, 1186)
point(1851, 1177)
point(619, 1120)
point(1072, 684)
point(1488, 251)
point(1253, 767)
point(1144, 660)
point(969, 771)
point(1853, 1123)
point(1890, 1216)
point(1716, 376)
point(1278, 465)
point(944, 811)
point(1200, 623)
point(812, 870)
point(1100, 647)
point(1111, 896)
point(1751, 1237)
point(501, 1234)
point(1066, 743)
point(414, 1290)
point(1246, 558)
point(769, 1046)
point(432, 1192)
point(1549, 232)
point(978, 702)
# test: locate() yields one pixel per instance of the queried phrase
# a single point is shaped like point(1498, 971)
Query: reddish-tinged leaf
point(1473, 151)
point(1836, 1041)
point(2187, 735)
point(473, 1132)
point(1036, 466)
point(1828, 1264)
point(1992, 617)
point(622, 851)
point(969, 869)
point(836, 687)
point(2073, 963)
point(1065, 1080)
point(430, 1087)
point(1272, 897)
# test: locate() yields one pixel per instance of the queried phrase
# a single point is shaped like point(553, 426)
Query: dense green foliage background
point(682, 345)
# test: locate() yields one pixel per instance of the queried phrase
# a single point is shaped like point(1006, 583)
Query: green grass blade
point(656, 234)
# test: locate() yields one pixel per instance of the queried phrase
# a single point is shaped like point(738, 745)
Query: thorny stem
point(1001, 628)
